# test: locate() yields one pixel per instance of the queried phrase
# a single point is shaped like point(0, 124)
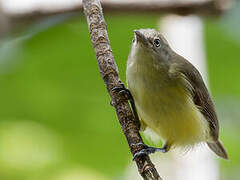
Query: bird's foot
point(148, 150)
point(124, 91)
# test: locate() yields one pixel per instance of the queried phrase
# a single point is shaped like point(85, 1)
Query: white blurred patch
point(24, 6)
point(174, 165)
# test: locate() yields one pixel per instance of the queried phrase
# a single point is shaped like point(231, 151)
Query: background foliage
point(56, 118)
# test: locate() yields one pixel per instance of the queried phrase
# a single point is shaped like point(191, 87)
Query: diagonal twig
point(109, 73)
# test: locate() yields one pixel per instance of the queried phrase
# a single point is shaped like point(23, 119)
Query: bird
point(169, 95)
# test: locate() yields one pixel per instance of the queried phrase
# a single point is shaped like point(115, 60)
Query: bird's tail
point(218, 148)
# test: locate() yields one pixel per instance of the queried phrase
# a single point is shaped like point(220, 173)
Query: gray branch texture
point(109, 73)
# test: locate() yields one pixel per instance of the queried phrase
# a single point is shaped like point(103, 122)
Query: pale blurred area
point(55, 119)
point(24, 6)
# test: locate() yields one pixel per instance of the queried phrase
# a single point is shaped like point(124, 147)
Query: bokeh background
point(56, 122)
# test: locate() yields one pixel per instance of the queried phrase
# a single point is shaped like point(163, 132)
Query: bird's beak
point(140, 37)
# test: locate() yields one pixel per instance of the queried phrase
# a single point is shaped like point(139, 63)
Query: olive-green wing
point(200, 95)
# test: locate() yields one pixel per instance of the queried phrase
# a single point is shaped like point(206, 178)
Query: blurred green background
point(55, 115)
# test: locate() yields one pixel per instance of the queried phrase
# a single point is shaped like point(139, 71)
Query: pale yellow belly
point(171, 113)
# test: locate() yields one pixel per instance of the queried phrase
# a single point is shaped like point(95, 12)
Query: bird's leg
point(123, 90)
point(150, 150)
point(146, 149)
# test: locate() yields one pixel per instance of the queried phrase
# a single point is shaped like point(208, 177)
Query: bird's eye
point(157, 42)
point(133, 40)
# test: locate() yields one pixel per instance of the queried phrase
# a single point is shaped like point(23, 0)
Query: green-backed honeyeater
point(169, 93)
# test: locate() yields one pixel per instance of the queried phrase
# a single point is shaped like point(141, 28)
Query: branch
point(201, 7)
point(109, 73)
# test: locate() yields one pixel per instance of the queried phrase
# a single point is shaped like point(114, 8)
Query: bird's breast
point(165, 105)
